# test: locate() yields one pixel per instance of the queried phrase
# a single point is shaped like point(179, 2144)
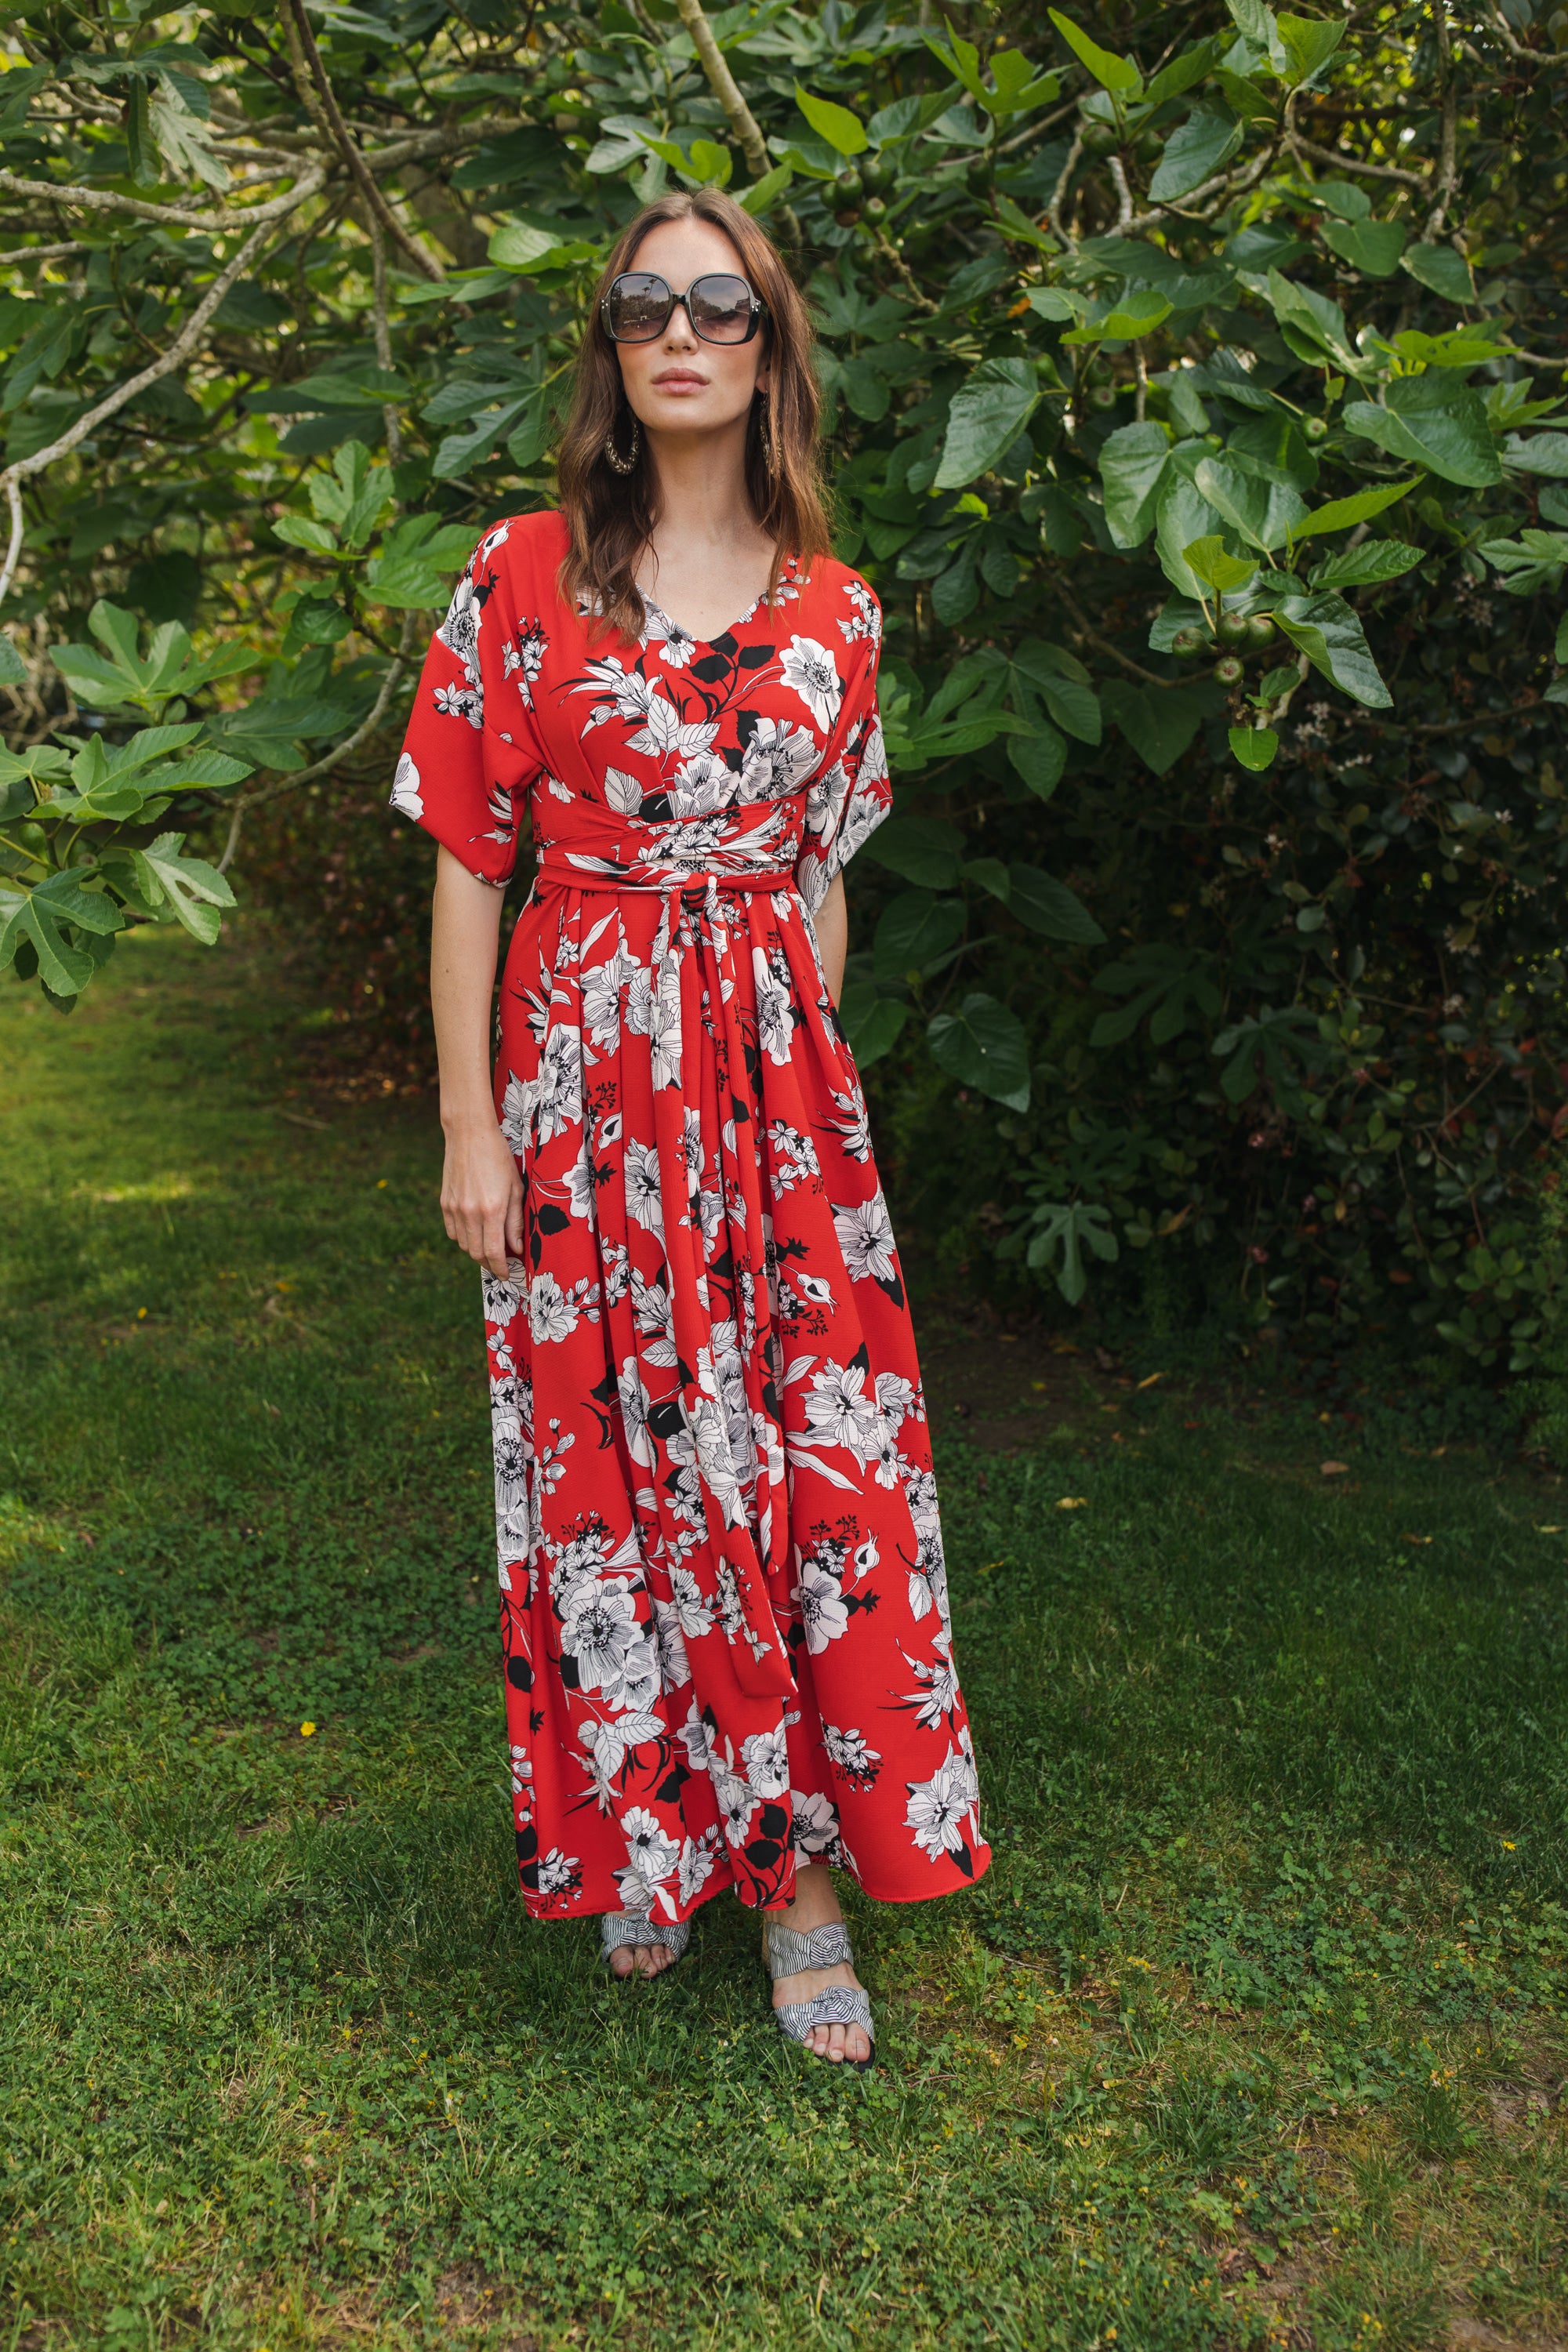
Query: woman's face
point(679, 383)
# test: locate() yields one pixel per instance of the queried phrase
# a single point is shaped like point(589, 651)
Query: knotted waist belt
point(556, 871)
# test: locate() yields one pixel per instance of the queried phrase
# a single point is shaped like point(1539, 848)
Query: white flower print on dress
point(631, 693)
point(698, 1864)
point(778, 759)
point(865, 1234)
point(694, 1736)
point(702, 784)
point(623, 793)
point(794, 1155)
point(557, 1871)
point(852, 1126)
point(552, 1312)
point(867, 618)
point(814, 1827)
point(645, 1197)
point(673, 644)
point(599, 1628)
point(694, 1612)
point(937, 1807)
point(939, 1698)
point(651, 1856)
point(664, 1024)
point(849, 1753)
point(776, 1007)
point(810, 669)
point(461, 702)
point(821, 1608)
point(526, 658)
point(405, 798)
point(674, 1665)
point(765, 1755)
point(839, 1411)
point(665, 734)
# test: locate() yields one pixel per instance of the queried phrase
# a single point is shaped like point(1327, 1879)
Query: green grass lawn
point(1255, 2035)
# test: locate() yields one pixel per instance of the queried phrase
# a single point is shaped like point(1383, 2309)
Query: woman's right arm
point(481, 1192)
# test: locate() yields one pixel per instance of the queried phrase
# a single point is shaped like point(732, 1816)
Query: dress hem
point(591, 1911)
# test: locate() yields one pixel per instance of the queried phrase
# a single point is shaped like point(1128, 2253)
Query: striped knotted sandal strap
point(840, 2005)
point(786, 1951)
point(619, 1927)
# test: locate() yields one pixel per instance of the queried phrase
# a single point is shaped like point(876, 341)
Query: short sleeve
point(468, 753)
point(852, 792)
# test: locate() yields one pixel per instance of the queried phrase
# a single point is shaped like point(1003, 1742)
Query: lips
point(680, 380)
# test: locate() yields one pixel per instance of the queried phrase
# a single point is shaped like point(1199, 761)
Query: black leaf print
point(712, 668)
point(666, 1419)
point(551, 1220)
point(669, 1789)
point(746, 725)
point(520, 1674)
point(762, 1853)
point(755, 657)
point(726, 643)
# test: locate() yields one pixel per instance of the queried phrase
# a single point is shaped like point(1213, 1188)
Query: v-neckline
point(678, 628)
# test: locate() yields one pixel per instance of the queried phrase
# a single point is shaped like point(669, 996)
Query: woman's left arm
point(832, 920)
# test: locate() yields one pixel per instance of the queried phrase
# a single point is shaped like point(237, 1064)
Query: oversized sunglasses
point(638, 307)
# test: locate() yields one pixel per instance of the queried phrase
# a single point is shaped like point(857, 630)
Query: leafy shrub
point(1188, 412)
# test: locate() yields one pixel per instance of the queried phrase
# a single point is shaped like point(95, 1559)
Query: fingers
point(515, 1221)
point(492, 1244)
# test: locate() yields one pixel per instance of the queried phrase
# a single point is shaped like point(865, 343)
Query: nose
point(680, 337)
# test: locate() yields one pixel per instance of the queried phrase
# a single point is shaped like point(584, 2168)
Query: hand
point(482, 1196)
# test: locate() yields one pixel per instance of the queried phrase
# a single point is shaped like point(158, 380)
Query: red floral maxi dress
point(723, 1604)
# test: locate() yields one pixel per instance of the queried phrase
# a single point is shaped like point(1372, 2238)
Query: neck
point(700, 490)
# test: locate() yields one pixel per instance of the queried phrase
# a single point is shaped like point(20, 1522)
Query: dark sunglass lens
point(639, 305)
point(721, 308)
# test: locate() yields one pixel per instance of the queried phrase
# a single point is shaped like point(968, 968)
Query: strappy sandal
point(619, 1927)
point(786, 1952)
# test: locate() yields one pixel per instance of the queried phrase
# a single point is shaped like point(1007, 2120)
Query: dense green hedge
point(1195, 409)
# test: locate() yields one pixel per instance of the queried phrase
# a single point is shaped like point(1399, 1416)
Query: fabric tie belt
point(556, 872)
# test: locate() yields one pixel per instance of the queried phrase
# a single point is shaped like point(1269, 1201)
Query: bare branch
point(308, 70)
point(103, 200)
point(725, 87)
point(1053, 209)
point(191, 336)
point(1340, 162)
point(41, 253)
point(1448, 150)
point(384, 338)
point(1504, 31)
point(1123, 194)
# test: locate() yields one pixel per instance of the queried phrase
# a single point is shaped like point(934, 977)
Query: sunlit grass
point(1254, 2033)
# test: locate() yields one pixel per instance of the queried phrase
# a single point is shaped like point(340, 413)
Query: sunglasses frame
point(682, 301)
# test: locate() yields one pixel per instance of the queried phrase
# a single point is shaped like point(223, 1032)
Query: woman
point(723, 1606)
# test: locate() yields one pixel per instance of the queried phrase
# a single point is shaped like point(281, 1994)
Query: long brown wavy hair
point(611, 516)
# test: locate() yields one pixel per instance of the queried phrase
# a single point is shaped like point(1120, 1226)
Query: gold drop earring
point(627, 465)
